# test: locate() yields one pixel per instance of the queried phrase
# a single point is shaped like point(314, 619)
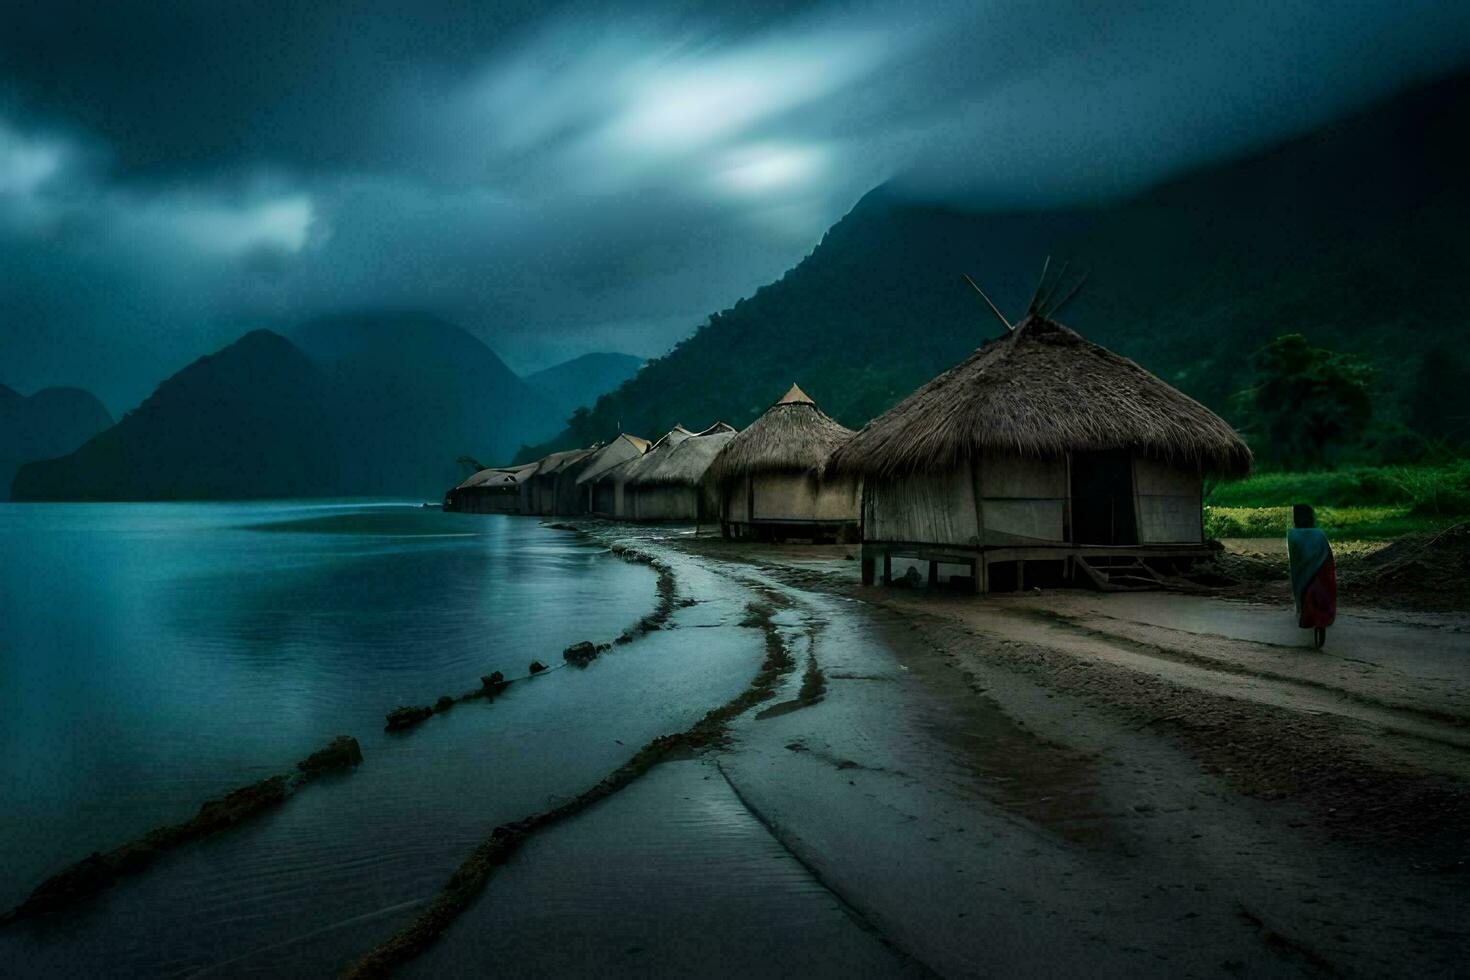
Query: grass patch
point(1418, 491)
point(1346, 523)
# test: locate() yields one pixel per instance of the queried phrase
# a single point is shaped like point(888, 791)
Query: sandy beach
point(1053, 783)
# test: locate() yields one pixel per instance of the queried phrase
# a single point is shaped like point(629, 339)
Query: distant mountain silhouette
point(362, 405)
point(415, 394)
point(579, 382)
point(52, 422)
point(1354, 235)
point(254, 419)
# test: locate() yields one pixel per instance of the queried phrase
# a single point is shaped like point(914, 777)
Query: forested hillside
point(1353, 235)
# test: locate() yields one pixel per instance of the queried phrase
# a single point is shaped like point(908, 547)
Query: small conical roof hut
point(1042, 390)
point(793, 435)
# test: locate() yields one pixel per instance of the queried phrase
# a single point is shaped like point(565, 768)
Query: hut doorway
point(1102, 498)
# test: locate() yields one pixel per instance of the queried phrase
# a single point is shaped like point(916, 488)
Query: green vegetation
point(1189, 279)
point(1306, 403)
point(1367, 502)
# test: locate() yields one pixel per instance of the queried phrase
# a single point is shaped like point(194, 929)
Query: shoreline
point(1054, 782)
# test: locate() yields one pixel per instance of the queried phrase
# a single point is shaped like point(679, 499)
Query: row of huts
point(768, 479)
point(1040, 458)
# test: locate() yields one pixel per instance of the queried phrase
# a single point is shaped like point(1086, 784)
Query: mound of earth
point(1420, 571)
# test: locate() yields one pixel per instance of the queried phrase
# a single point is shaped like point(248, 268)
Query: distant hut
point(615, 485)
point(1041, 457)
point(771, 477)
point(552, 485)
point(672, 485)
point(490, 491)
point(595, 495)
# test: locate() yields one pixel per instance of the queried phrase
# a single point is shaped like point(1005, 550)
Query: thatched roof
point(498, 476)
point(687, 462)
point(631, 470)
point(1042, 390)
point(611, 455)
point(793, 435)
point(556, 462)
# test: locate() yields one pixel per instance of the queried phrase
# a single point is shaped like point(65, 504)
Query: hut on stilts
point(1041, 458)
point(595, 495)
point(772, 480)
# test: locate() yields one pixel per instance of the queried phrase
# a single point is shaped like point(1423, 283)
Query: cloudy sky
point(567, 178)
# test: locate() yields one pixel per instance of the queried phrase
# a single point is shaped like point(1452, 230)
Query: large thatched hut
point(772, 480)
point(671, 486)
point(595, 495)
point(1041, 457)
point(495, 490)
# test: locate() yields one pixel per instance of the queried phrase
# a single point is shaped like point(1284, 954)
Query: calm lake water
point(153, 656)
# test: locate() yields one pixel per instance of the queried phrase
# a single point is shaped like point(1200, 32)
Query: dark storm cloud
point(562, 179)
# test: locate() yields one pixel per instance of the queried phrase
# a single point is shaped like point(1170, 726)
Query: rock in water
point(230, 809)
point(580, 654)
point(341, 753)
point(537, 667)
point(406, 717)
point(493, 683)
point(444, 703)
point(89, 876)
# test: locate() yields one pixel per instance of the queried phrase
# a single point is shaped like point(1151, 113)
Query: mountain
point(1353, 234)
point(416, 393)
point(51, 422)
point(252, 420)
point(378, 404)
point(578, 383)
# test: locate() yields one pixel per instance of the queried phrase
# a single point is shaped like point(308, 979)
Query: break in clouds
point(562, 180)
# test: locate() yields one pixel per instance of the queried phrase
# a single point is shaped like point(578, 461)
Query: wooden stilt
point(933, 574)
point(1020, 576)
point(887, 568)
point(869, 568)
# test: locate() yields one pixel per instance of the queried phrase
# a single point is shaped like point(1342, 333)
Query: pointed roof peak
point(796, 397)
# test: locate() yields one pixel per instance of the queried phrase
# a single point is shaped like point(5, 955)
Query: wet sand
point(673, 876)
point(1157, 785)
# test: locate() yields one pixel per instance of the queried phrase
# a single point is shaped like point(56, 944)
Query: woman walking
point(1313, 574)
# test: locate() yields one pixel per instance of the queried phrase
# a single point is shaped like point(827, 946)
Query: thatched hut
point(595, 495)
point(771, 477)
point(614, 487)
point(1041, 457)
point(671, 485)
point(552, 486)
point(495, 490)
